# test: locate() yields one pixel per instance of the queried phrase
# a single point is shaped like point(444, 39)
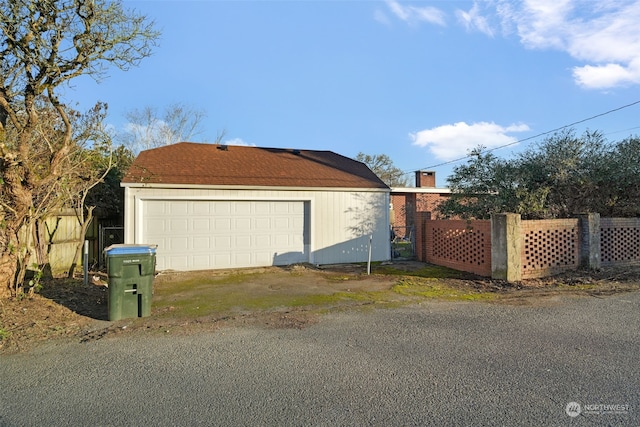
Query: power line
point(534, 136)
point(623, 130)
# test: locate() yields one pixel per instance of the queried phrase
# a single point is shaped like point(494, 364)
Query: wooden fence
point(64, 233)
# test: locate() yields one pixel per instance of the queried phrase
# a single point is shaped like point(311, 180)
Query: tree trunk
point(24, 253)
point(14, 247)
point(14, 260)
point(42, 243)
point(8, 269)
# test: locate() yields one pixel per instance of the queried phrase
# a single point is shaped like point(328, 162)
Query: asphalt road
point(439, 363)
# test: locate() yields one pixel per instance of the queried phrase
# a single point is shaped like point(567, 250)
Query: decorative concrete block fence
point(508, 248)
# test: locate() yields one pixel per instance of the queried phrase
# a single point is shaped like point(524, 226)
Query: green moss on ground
point(432, 289)
point(428, 271)
point(222, 295)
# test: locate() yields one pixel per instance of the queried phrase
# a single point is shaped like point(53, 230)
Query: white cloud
point(238, 141)
point(474, 20)
point(449, 142)
point(414, 14)
point(606, 76)
point(541, 24)
point(602, 34)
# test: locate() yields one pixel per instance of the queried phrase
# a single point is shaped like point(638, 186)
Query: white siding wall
point(340, 221)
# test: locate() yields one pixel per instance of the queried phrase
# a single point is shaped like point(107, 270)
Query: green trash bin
point(130, 269)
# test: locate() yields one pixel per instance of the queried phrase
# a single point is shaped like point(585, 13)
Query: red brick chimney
point(426, 179)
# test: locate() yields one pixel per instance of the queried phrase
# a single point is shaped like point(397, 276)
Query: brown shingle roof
point(209, 164)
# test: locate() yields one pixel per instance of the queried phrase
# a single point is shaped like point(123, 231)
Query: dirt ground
point(68, 309)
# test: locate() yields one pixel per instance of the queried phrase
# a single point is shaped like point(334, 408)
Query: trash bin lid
point(130, 249)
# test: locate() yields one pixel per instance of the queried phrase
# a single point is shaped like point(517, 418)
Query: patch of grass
point(368, 297)
point(225, 301)
point(207, 280)
point(342, 277)
point(429, 271)
point(436, 290)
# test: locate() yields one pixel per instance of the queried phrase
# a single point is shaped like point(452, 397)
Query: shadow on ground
point(86, 300)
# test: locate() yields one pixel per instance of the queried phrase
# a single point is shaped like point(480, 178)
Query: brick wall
point(399, 212)
point(422, 219)
point(458, 244)
point(619, 241)
point(428, 202)
point(549, 247)
point(406, 204)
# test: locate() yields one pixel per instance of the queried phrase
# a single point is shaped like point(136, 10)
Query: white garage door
point(201, 235)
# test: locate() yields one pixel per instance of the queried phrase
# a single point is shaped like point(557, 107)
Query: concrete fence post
point(589, 229)
point(506, 247)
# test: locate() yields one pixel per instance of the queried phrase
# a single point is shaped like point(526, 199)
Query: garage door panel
point(179, 208)
point(263, 241)
point(179, 225)
point(222, 224)
point(243, 242)
point(281, 223)
point(282, 241)
point(242, 259)
point(241, 224)
point(201, 243)
point(263, 258)
point(224, 234)
point(222, 260)
point(178, 244)
point(177, 262)
point(202, 209)
point(262, 208)
point(262, 223)
point(201, 262)
point(241, 208)
point(201, 224)
point(155, 208)
point(221, 208)
point(222, 243)
point(155, 224)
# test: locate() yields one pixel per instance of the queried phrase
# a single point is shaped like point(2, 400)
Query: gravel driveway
point(438, 363)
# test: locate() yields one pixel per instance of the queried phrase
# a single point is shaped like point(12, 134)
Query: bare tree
point(90, 164)
point(43, 45)
point(383, 167)
point(147, 128)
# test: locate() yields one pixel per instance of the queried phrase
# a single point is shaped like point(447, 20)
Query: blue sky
point(420, 81)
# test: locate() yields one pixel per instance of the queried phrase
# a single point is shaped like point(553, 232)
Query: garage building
point(211, 206)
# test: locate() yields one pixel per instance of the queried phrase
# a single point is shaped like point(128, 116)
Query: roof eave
point(420, 190)
point(248, 187)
